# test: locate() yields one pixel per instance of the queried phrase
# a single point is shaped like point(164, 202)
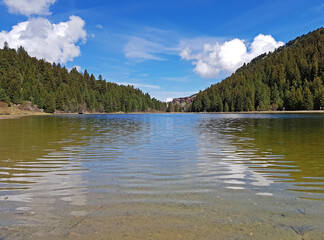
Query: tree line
point(290, 78)
point(52, 87)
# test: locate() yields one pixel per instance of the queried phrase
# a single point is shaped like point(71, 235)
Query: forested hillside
point(52, 87)
point(290, 78)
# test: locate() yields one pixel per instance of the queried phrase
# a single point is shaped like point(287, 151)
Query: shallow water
point(162, 176)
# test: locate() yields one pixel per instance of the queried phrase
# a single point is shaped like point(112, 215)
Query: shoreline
point(250, 112)
point(16, 116)
point(269, 112)
point(31, 113)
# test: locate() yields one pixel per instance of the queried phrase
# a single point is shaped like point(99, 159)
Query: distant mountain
point(184, 100)
point(182, 104)
point(290, 78)
point(53, 88)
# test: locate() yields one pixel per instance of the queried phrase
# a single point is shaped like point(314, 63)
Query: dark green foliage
point(52, 87)
point(49, 103)
point(170, 107)
point(3, 96)
point(290, 78)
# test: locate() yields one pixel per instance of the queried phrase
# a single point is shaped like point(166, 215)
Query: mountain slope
point(52, 87)
point(290, 78)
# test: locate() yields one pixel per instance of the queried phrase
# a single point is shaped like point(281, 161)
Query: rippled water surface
point(162, 176)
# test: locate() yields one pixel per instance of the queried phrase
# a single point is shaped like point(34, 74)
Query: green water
point(162, 176)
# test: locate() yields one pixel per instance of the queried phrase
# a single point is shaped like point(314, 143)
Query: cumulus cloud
point(29, 7)
point(169, 100)
point(225, 58)
point(42, 39)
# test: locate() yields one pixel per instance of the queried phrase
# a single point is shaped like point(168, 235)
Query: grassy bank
point(16, 111)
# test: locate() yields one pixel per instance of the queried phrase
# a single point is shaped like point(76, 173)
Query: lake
point(162, 176)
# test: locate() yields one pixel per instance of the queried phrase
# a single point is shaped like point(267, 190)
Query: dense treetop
point(52, 87)
point(290, 78)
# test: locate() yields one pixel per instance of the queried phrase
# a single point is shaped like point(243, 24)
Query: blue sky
point(166, 48)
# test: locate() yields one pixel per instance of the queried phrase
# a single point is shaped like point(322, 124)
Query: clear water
point(162, 176)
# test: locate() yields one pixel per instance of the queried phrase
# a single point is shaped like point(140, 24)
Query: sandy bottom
point(124, 218)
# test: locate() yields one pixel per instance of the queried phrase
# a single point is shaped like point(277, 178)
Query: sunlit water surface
point(162, 176)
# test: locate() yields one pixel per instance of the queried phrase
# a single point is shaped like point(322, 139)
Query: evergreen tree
point(290, 78)
point(52, 87)
point(3, 96)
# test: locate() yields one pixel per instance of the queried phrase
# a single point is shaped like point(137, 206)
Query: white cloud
point(162, 95)
point(99, 26)
point(143, 75)
point(176, 79)
point(42, 39)
point(196, 44)
point(29, 7)
point(138, 85)
point(169, 99)
point(151, 44)
point(143, 49)
point(77, 67)
point(225, 58)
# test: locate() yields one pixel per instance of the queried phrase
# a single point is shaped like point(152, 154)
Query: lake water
point(162, 176)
